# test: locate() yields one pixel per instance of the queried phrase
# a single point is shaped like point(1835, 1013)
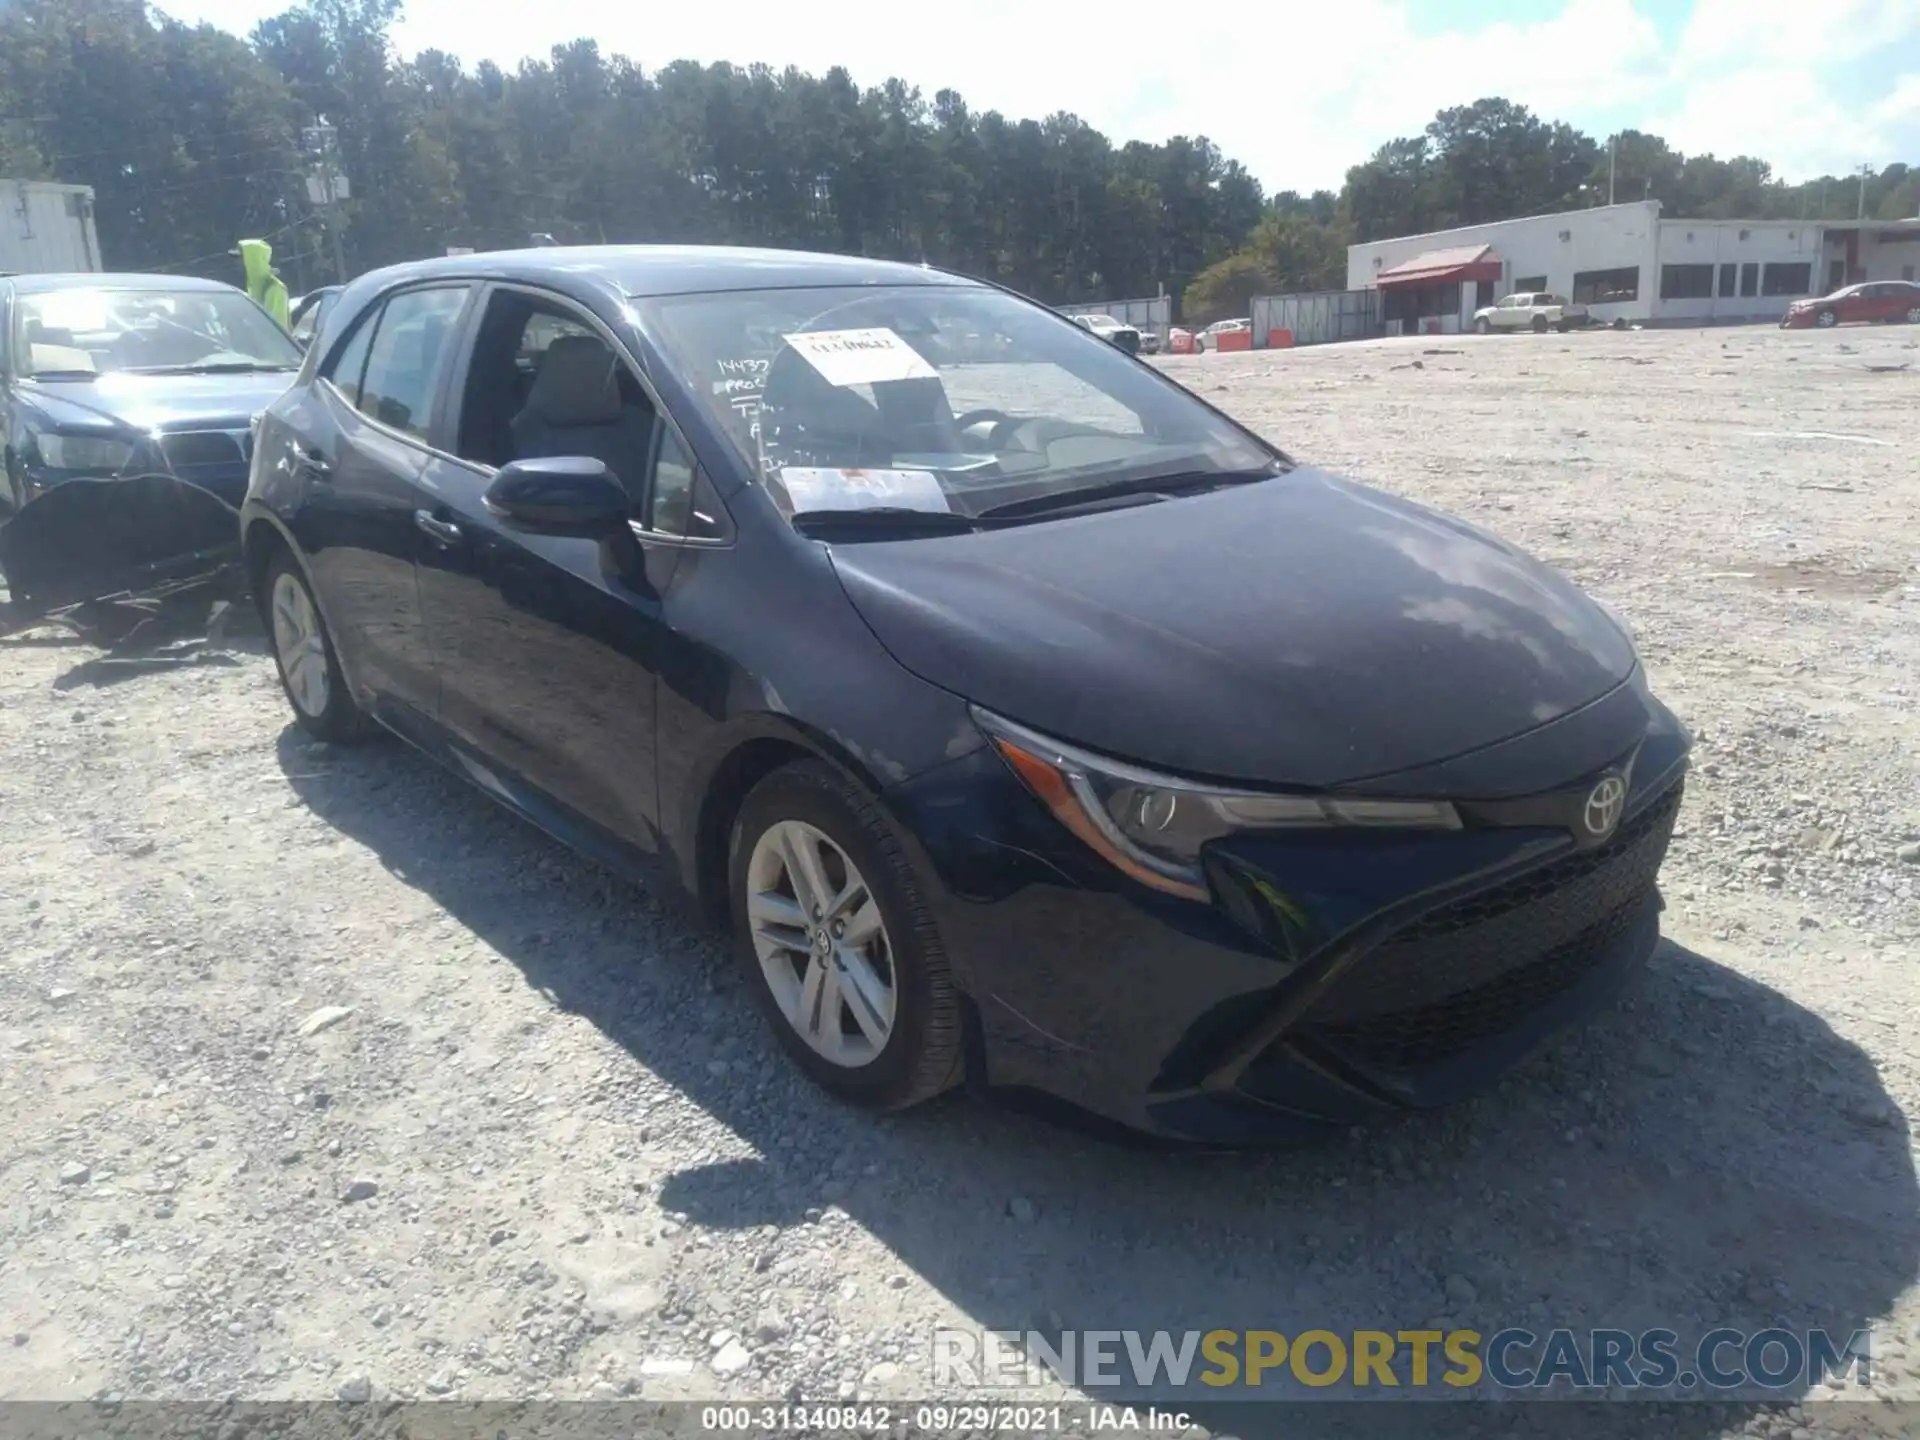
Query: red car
point(1876, 301)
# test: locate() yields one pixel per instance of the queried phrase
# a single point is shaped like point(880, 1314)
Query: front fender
point(262, 532)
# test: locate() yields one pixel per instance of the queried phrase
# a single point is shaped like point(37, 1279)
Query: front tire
point(837, 943)
point(1483, 325)
point(1826, 319)
point(303, 653)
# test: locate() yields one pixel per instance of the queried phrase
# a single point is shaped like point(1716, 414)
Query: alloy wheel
point(1913, 316)
point(822, 944)
point(299, 642)
point(1826, 318)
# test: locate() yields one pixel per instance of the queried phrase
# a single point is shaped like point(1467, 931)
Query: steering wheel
point(1003, 422)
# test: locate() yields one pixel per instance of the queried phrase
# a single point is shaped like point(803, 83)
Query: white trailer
point(47, 228)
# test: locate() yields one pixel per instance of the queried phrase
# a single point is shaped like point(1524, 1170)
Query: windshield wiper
point(64, 375)
point(890, 520)
point(1178, 482)
point(221, 367)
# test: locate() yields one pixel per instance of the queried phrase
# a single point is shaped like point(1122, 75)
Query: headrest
point(576, 384)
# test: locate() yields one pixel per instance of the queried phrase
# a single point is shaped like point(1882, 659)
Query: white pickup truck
point(1537, 311)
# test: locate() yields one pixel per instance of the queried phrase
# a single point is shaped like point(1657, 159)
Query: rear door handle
point(444, 531)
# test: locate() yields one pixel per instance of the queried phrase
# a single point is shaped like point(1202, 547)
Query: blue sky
point(1297, 91)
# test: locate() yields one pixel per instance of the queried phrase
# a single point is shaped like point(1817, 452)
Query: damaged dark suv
point(110, 375)
point(126, 411)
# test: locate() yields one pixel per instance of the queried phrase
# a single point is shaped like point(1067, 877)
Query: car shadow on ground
point(1709, 1154)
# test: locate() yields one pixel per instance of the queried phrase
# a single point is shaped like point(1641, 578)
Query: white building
point(1625, 262)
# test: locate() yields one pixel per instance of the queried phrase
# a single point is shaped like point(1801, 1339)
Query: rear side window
point(350, 363)
point(409, 351)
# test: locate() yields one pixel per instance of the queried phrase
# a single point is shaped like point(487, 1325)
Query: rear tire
point(304, 656)
point(1539, 324)
point(1913, 316)
point(807, 836)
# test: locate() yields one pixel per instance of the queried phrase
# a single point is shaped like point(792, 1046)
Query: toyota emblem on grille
point(1604, 805)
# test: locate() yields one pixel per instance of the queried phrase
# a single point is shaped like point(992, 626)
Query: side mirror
point(568, 495)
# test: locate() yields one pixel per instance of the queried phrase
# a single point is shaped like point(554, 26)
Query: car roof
point(92, 280)
point(650, 270)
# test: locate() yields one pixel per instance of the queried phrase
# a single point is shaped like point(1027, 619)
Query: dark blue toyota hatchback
point(1024, 718)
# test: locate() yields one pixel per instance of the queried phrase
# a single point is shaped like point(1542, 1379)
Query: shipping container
point(47, 228)
point(1319, 318)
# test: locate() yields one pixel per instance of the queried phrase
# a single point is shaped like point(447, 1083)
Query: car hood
point(147, 403)
point(1303, 630)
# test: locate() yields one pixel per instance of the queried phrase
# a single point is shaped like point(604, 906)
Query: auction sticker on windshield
point(824, 489)
point(861, 357)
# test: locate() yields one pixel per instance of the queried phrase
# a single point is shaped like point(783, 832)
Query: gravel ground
point(325, 1078)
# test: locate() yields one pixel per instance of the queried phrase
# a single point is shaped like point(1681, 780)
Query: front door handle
point(313, 462)
point(444, 531)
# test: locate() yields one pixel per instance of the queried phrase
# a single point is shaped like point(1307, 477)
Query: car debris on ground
point(140, 566)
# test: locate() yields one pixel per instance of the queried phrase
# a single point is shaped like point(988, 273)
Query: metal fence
point(1318, 318)
point(1155, 314)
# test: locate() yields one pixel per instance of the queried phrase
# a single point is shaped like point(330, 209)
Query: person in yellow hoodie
point(263, 282)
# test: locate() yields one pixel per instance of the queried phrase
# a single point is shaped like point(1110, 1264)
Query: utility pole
point(1612, 141)
point(1865, 171)
point(327, 186)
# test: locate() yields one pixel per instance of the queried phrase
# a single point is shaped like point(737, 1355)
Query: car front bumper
point(1339, 977)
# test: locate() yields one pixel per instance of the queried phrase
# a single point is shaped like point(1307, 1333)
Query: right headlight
point(81, 454)
point(1615, 614)
point(1152, 826)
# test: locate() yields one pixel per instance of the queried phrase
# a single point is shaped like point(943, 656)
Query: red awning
point(1441, 267)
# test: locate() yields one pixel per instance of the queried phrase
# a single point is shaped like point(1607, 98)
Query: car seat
point(575, 408)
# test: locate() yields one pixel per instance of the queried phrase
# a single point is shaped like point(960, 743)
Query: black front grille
point(1478, 964)
point(214, 459)
point(1426, 1035)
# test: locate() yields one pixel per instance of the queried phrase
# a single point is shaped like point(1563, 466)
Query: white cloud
point(1902, 102)
point(1786, 117)
point(1769, 78)
point(1777, 32)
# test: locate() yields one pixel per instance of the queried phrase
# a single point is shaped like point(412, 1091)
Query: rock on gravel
point(325, 1018)
point(357, 1190)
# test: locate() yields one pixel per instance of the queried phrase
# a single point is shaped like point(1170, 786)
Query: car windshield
point(941, 398)
point(97, 330)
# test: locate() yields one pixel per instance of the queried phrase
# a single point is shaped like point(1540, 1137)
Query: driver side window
point(544, 383)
